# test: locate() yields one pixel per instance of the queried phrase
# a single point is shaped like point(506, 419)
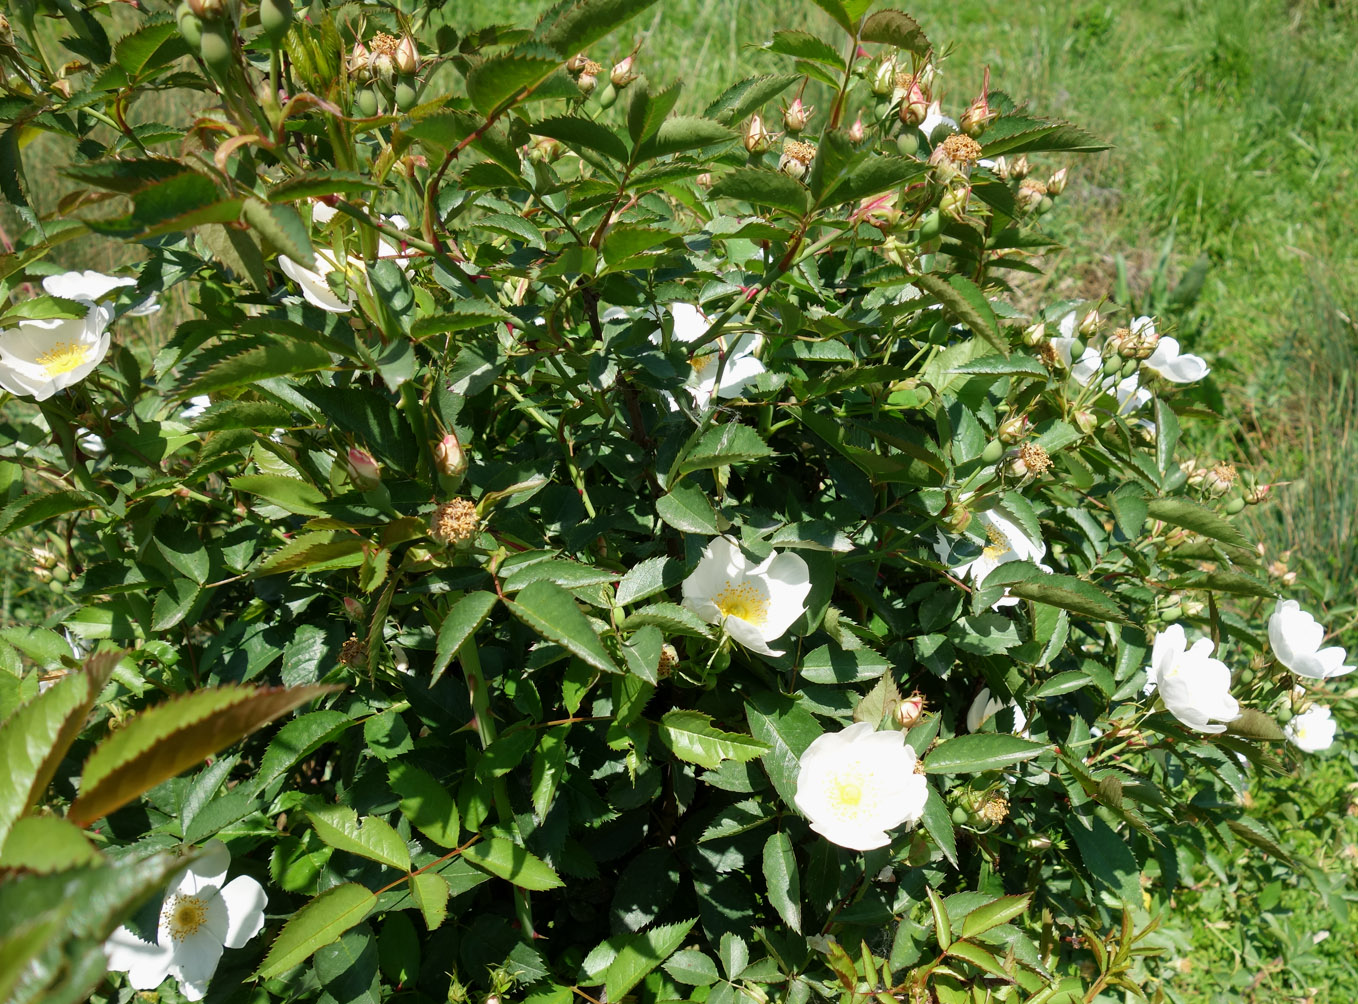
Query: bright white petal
point(244, 900)
point(207, 872)
point(146, 965)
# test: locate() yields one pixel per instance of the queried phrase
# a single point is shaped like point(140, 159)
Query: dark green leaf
point(982, 751)
point(551, 612)
point(961, 297)
point(763, 187)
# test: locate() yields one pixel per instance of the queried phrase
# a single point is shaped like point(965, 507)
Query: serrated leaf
point(722, 445)
point(964, 299)
point(992, 914)
point(431, 892)
point(804, 45)
point(575, 131)
point(982, 751)
point(763, 187)
point(787, 729)
point(255, 362)
point(551, 612)
point(584, 22)
point(893, 27)
point(317, 924)
point(626, 240)
point(748, 95)
point(646, 578)
point(1014, 134)
point(509, 861)
point(224, 415)
point(296, 741)
point(669, 617)
point(324, 182)
point(937, 822)
point(980, 958)
point(639, 954)
point(942, 924)
point(686, 509)
point(372, 837)
point(465, 314)
point(782, 880)
point(160, 742)
point(682, 133)
point(34, 738)
point(497, 79)
point(1065, 591)
point(178, 203)
point(42, 308)
point(1002, 366)
point(46, 844)
point(31, 509)
point(1256, 724)
point(1196, 517)
point(459, 624)
point(284, 227)
point(834, 665)
point(153, 45)
point(865, 176)
point(293, 494)
point(690, 736)
point(315, 551)
point(692, 968)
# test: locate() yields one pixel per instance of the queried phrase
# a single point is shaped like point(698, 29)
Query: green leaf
point(31, 509)
point(34, 738)
point(258, 359)
point(981, 751)
point(964, 299)
point(584, 133)
point(1002, 366)
point(1014, 134)
point(993, 914)
point(833, 665)
point(509, 861)
point(866, 176)
point(497, 79)
point(12, 179)
point(42, 308)
point(431, 892)
point(317, 924)
point(296, 741)
point(224, 415)
point(313, 551)
point(782, 880)
point(373, 837)
point(178, 203)
point(582, 23)
point(937, 822)
point(763, 187)
point(551, 612)
point(460, 623)
point(639, 954)
point(324, 182)
point(284, 227)
point(1067, 592)
point(646, 578)
point(293, 494)
point(690, 736)
point(1166, 436)
point(548, 769)
point(892, 27)
point(749, 95)
point(1192, 516)
point(1256, 724)
point(787, 729)
point(158, 743)
point(626, 240)
point(722, 445)
point(682, 133)
point(47, 844)
point(979, 958)
point(687, 510)
point(942, 925)
point(804, 45)
point(692, 968)
point(669, 617)
point(466, 314)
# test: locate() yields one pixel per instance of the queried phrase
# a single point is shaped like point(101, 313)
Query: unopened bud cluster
point(385, 69)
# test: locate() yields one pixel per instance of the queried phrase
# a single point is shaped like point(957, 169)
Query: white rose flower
point(1087, 367)
point(985, 707)
point(1296, 639)
point(40, 357)
point(197, 920)
point(94, 286)
point(1194, 686)
point(756, 604)
point(1312, 731)
point(315, 289)
point(1006, 542)
point(690, 323)
point(856, 784)
point(1167, 361)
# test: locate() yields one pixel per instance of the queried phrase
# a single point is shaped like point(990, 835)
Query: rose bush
point(520, 558)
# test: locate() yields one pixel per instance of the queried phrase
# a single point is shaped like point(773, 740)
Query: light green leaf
point(47, 844)
point(431, 893)
point(459, 624)
point(964, 299)
point(575, 131)
point(1196, 517)
point(892, 27)
point(317, 924)
point(721, 445)
point(747, 96)
point(509, 861)
point(669, 617)
point(34, 508)
point(497, 79)
point(640, 953)
point(283, 227)
point(686, 509)
point(647, 578)
point(994, 913)
point(259, 360)
point(834, 665)
point(373, 837)
point(551, 612)
point(763, 187)
point(690, 736)
point(788, 729)
point(581, 24)
point(426, 803)
point(692, 968)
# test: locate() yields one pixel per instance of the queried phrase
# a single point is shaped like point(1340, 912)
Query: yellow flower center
point(702, 362)
point(63, 357)
point(185, 915)
point(999, 544)
point(746, 601)
point(846, 796)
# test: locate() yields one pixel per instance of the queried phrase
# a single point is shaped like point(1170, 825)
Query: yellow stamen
point(745, 601)
point(999, 544)
point(846, 796)
point(63, 357)
point(185, 915)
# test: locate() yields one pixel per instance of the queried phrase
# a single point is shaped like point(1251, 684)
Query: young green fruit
point(406, 95)
point(993, 451)
point(1234, 505)
point(931, 226)
point(608, 95)
point(907, 143)
point(190, 26)
point(275, 17)
point(366, 102)
point(217, 50)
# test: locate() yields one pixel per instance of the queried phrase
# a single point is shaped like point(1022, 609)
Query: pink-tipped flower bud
point(758, 138)
point(979, 113)
point(914, 104)
point(910, 711)
point(1056, 184)
point(1089, 324)
point(358, 60)
point(1257, 494)
point(354, 610)
point(1020, 167)
point(407, 57)
point(795, 116)
point(621, 75)
point(208, 10)
point(856, 131)
point(1085, 421)
point(449, 456)
point(363, 470)
point(1035, 334)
